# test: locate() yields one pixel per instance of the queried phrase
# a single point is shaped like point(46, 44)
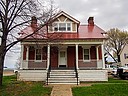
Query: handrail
point(76, 72)
point(48, 73)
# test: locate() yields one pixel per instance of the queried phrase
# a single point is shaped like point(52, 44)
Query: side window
point(126, 55)
point(86, 54)
point(56, 27)
point(38, 54)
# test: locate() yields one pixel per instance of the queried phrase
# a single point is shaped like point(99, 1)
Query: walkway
point(64, 90)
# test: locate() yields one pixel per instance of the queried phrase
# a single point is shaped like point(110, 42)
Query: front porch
point(85, 61)
point(63, 56)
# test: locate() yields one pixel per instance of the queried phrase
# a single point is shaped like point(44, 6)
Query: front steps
point(62, 77)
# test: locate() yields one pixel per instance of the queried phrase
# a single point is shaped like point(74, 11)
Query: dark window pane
point(38, 57)
point(86, 57)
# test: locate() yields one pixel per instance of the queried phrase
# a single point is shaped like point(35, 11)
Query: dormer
point(64, 23)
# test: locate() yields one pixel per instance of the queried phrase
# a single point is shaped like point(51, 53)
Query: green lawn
point(113, 87)
point(11, 87)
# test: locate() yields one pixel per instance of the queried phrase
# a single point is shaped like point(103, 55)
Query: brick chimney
point(33, 22)
point(90, 21)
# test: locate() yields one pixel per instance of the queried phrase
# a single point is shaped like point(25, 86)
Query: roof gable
point(62, 13)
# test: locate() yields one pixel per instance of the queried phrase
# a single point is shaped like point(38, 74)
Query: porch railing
point(34, 64)
point(91, 64)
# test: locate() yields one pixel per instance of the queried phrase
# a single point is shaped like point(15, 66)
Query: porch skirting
point(32, 75)
point(93, 75)
point(84, 75)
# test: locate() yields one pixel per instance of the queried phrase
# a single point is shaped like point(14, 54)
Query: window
point(86, 54)
point(56, 27)
point(68, 27)
point(62, 27)
point(38, 54)
point(126, 55)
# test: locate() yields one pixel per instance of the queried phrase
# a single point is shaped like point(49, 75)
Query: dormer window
point(62, 27)
point(68, 26)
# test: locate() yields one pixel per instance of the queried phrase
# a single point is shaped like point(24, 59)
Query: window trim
point(88, 54)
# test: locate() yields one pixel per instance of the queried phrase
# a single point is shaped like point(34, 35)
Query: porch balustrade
point(32, 64)
point(92, 64)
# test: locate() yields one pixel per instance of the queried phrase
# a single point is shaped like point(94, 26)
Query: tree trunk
point(2, 57)
point(118, 56)
point(111, 55)
point(1, 68)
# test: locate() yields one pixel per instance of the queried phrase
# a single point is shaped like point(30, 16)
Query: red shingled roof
point(84, 32)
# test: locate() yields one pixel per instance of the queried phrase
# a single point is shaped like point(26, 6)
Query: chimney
point(33, 22)
point(90, 21)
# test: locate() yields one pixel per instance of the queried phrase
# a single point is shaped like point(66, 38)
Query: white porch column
point(102, 48)
point(27, 56)
point(21, 59)
point(77, 56)
point(48, 56)
point(97, 53)
point(27, 53)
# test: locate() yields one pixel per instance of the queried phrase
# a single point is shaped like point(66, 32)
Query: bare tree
point(15, 15)
point(115, 42)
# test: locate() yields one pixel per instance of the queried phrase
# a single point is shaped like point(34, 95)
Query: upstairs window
point(38, 54)
point(56, 27)
point(62, 27)
point(68, 26)
point(86, 54)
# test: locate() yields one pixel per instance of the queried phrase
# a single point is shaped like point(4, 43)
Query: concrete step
point(62, 81)
point(62, 77)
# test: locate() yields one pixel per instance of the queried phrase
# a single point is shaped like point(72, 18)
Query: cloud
point(107, 13)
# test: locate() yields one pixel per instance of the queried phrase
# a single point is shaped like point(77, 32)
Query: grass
point(11, 87)
point(113, 87)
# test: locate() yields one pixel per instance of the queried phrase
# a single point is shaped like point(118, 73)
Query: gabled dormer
point(64, 23)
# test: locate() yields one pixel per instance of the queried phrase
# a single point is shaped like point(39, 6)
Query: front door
point(62, 58)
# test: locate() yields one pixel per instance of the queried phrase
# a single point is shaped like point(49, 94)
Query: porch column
point(77, 56)
point(97, 53)
point(48, 56)
point(27, 53)
point(102, 46)
point(21, 59)
point(27, 56)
